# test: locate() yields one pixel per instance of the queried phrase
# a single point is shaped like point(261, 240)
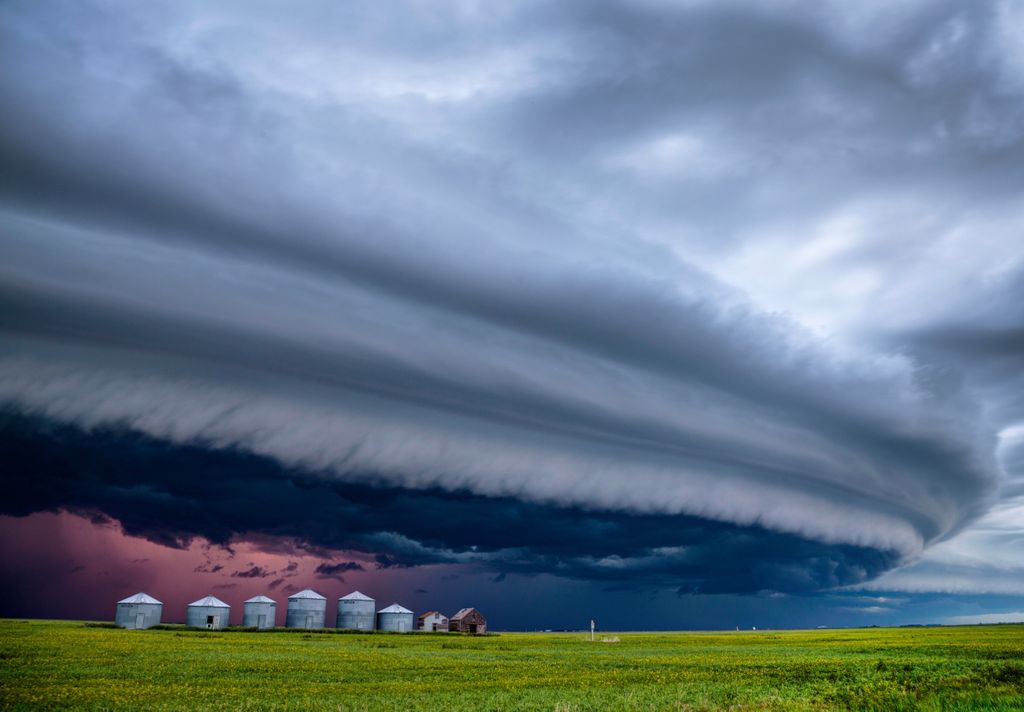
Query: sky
point(691, 314)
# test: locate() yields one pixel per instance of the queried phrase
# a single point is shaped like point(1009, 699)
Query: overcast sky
point(717, 306)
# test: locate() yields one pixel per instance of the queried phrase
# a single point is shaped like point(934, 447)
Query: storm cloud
point(170, 494)
point(719, 297)
point(332, 570)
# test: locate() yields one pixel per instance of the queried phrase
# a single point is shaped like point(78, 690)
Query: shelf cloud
point(689, 295)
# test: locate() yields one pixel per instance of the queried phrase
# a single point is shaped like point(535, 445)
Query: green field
point(58, 664)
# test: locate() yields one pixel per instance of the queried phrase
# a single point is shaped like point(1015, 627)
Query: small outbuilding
point(395, 618)
point(356, 611)
point(468, 620)
point(432, 621)
point(138, 611)
point(306, 609)
point(259, 612)
point(209, 612)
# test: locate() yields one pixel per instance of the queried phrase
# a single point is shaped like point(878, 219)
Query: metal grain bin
point(306, 609)
point(356, 611)
point(396, 618)
point(209, 612)
point(259, 612)
point(138, 611)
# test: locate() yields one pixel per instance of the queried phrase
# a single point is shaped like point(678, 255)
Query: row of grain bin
point(143, 611)
point(357, 611)
point(306, 609)
point(212, 613)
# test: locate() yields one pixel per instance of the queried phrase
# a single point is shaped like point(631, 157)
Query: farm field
point(62, 664)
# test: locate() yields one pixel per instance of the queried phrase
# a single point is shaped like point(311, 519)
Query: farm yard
point(63, 664)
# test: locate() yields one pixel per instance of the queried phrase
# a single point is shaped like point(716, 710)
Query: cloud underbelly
point(503, 414)
point(170, 493)
point(562, 384)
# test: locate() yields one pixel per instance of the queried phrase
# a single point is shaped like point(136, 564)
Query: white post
point(591, 630)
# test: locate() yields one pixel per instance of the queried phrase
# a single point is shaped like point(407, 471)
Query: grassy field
point(59, 664)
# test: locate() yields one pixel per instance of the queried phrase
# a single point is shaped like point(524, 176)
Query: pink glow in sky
point(54, 554)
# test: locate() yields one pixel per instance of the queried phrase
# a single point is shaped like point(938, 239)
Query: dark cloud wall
point(171, 493)
point(606, 290)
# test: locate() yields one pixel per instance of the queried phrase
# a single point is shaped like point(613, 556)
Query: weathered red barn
point(468, 620)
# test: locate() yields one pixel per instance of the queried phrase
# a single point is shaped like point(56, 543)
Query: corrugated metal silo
point(209, 612)
point(138, 611)
point(355, 611)
point(259, 612)
point(306, 609)
point(396, 618)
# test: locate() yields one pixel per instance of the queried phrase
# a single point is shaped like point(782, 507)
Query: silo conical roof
point(395, 608)
point(210, 602)
point(356, 596)
point(261, 599)
point(308, 593)
point(140, 597)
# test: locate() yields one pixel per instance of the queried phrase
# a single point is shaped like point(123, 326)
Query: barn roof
point(430, 613)
point(261, 599)
point(308, 593)
point(356, 596)
point(395, 608)
point(140, 597)
point(465, 612)
point(210, 602)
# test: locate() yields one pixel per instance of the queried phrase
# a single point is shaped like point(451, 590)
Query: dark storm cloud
point(336, 570)
point(662, 66)
point(698, 356)
point(161, 491)
point(208, 568)
point(978, 346)
point(253, 572)
point(499, 269)
point(980, 343)
point(709, 118)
